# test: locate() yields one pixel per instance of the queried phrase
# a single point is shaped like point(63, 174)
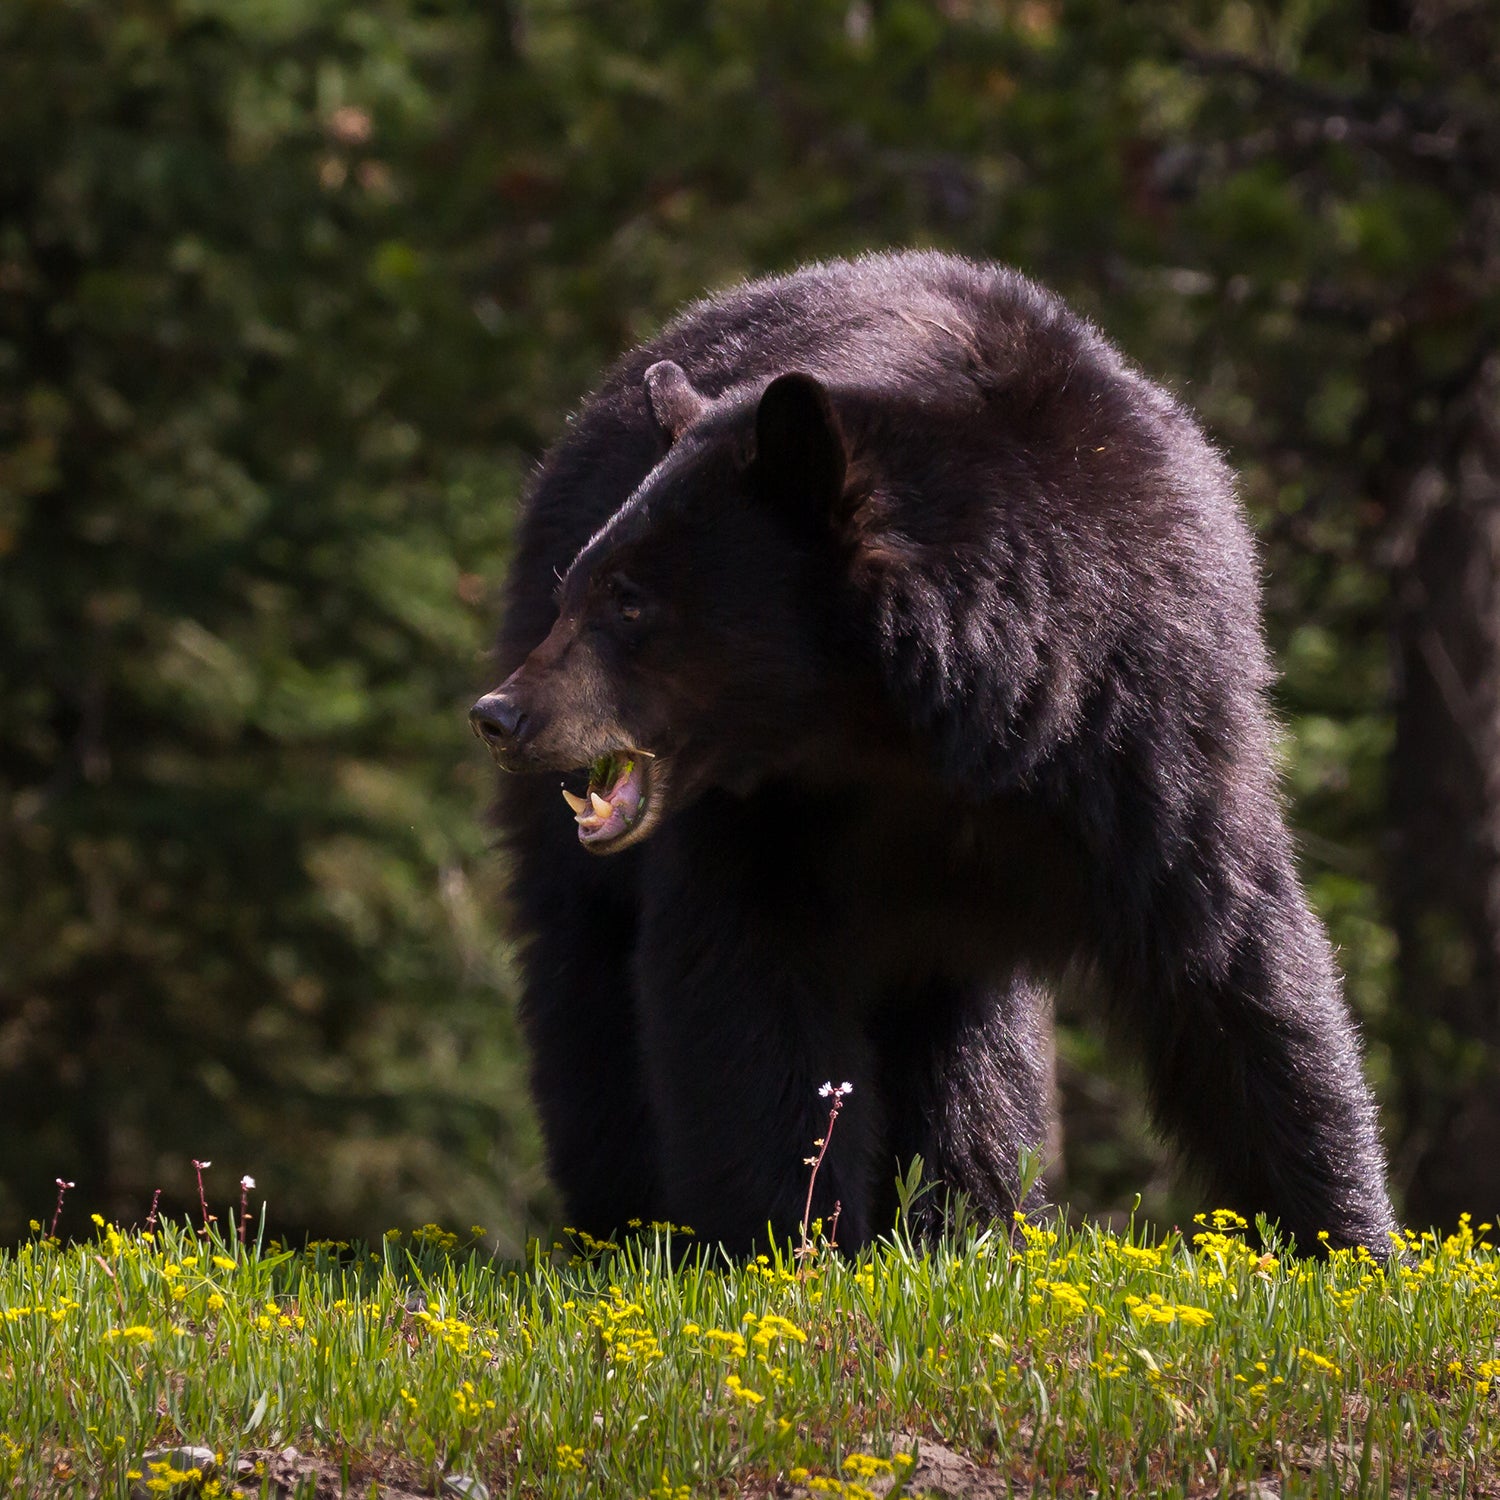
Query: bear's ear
point(800, 457)
point(675, 404)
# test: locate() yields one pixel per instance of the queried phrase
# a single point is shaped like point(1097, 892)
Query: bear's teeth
point(601, 807)
point(579, 805)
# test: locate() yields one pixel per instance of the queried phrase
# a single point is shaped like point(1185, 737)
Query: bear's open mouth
point(619, 792)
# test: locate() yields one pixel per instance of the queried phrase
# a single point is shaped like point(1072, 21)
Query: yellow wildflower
point(737, 1387)
point(136, 1333)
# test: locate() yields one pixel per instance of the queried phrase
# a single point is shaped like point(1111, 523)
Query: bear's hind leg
point(968, 1077)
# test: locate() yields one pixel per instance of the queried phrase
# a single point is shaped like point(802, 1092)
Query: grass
point(1074, 1361)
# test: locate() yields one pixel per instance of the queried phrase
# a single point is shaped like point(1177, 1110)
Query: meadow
point(1033, 1358)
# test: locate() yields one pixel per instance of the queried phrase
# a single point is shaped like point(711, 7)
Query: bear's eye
point(625, 598)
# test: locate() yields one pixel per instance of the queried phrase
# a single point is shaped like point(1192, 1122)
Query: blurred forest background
point(294, 292)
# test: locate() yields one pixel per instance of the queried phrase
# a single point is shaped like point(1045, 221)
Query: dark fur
point(990, 710)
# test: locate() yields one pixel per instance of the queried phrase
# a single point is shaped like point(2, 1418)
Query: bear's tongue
point(617, 790)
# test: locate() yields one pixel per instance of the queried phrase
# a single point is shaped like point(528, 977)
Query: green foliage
point(246, 518)
point(1066, 1362)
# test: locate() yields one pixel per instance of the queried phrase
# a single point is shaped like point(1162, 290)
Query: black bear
point(899, 642)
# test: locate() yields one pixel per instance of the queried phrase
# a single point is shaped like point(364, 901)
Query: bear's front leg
point(741, 1025)
point(578, 919)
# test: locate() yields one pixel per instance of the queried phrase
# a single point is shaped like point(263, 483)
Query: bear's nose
point(497, 719)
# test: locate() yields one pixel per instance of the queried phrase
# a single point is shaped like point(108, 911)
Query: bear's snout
point(500, 721)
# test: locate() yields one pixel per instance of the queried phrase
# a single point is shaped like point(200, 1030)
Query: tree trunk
point(1445, 816)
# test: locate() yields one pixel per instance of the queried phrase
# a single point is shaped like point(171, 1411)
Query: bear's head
point(702, 636)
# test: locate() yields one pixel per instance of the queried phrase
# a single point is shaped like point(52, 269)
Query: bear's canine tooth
point(579, 804)
point(601, 807)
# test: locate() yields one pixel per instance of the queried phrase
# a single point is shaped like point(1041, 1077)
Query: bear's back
point(917, 324)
